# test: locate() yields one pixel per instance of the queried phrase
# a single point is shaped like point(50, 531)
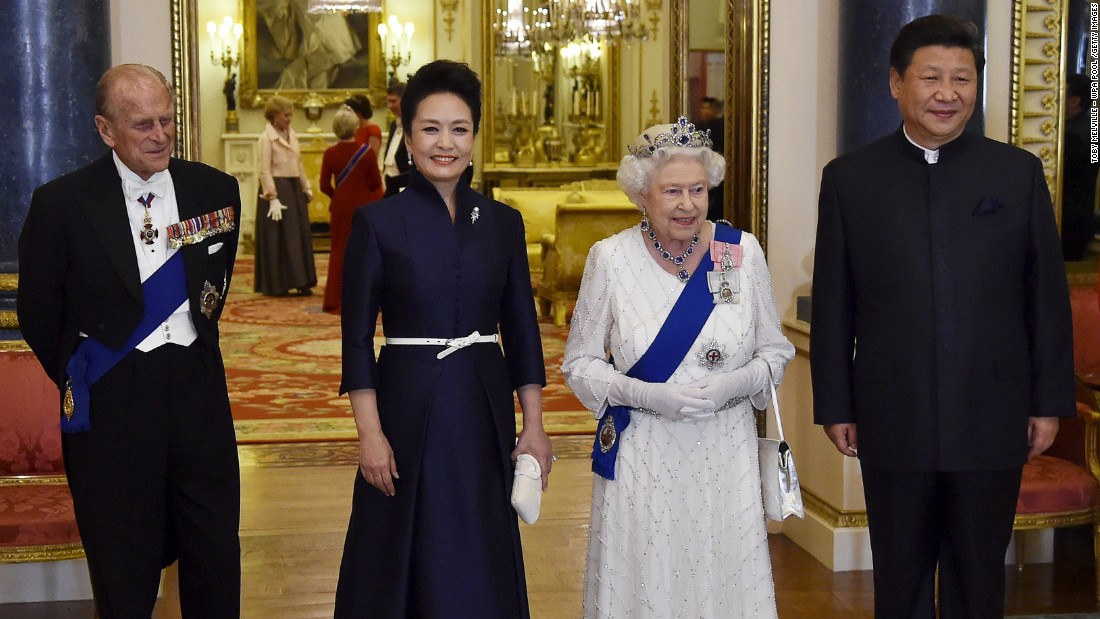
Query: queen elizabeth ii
point(673, 340)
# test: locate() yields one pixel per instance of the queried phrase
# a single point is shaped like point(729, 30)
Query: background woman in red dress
point(367, 132)
point(350, 177)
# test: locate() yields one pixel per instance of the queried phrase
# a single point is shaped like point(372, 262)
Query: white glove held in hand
point(746, 380)
point(275, 210)
point(676, 402)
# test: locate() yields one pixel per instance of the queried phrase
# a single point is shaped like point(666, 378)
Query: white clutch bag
point(527, 488)
point(778, 477)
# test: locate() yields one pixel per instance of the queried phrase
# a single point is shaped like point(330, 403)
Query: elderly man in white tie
point(124, 268)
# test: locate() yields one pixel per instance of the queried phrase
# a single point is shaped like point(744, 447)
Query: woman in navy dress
point(432, 533)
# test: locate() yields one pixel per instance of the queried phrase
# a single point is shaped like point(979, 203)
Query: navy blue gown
point(447, 545)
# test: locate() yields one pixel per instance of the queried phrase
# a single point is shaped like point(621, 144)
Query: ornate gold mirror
point(185, 75)
point(548, 88)
point(1050, 44)
point(744, 96)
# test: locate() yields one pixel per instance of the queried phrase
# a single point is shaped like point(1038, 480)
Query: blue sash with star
point(351, 164)
point(664, 355)
point(163, 292)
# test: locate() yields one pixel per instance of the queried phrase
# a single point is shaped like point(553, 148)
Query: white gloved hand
point(275, 210)
point(676, 402)
point(746, 380)
point(309, 195)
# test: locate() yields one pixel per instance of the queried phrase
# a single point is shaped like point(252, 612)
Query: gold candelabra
point(225, 51)
point(394, 54)
point(582, 65)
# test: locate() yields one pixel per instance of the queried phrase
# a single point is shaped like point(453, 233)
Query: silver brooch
point(209, 298)
point(474, 214)
point(712, 355)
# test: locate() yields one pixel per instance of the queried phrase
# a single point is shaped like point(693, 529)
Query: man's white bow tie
point(156, 185)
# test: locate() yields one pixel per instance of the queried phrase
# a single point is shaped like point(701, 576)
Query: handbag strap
point(775, 404)
point(775, 407)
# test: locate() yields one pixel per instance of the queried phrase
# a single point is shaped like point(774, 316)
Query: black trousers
point(960, 522)
point(156, 479)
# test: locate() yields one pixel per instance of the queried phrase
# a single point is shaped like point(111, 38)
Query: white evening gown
point(680, 532)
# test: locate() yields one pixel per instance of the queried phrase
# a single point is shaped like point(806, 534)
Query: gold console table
point(542, 176)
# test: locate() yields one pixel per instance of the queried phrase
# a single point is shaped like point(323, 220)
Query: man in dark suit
point(395, 160)
point(124, 267)
point(711, 119)
point(941, 340)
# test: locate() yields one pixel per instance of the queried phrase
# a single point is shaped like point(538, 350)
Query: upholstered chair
point(1061, 488)
point(577, 227)
point(36, 509)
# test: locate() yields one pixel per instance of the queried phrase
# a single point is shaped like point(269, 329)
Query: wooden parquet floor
point(297, 498)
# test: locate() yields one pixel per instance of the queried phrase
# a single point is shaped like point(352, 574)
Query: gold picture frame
point(343, 58)
point(1038, 81)
point(748, 48)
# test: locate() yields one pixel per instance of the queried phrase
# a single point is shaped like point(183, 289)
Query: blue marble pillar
point(52, 53)
point(1077, 36)
point(867, 29)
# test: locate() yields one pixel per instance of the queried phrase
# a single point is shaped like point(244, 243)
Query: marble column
point(52, 53)
point(1077, 36)
point(867, 29)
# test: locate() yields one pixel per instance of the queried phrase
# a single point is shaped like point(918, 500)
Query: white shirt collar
point(134, 184)
point(931, 156)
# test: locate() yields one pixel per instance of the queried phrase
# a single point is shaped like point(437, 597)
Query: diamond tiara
point(681, 133)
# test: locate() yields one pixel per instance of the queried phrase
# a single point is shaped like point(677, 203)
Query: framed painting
point(290, 52)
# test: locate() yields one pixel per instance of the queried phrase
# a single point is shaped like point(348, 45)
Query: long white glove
point(275, 210)
point(746, 380)
point(672, 401)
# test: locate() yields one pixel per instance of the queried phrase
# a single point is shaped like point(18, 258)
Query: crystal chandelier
point(512, 25)
point(533, 26)
point(344, 6)
point(613, 20)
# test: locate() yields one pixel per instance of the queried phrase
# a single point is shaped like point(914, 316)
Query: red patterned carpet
point(282, 360)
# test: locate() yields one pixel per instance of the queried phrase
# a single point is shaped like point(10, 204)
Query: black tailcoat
point(401, 158)
point(155, 478)
point(78, 271)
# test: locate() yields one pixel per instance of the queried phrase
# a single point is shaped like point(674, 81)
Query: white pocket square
point(527, 488)
point(214, 248)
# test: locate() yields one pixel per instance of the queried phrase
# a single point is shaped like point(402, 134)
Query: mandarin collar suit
point(81, 248)
point(940, 306)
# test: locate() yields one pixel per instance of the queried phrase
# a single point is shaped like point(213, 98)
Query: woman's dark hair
point(442, 76)
point(935, 30)
point(360, 104)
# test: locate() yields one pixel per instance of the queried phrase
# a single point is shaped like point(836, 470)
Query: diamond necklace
point(683, 275)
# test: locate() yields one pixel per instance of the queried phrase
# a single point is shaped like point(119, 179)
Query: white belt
point(451, 344)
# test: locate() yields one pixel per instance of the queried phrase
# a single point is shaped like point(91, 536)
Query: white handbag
point(527, 488)
point(778, 477)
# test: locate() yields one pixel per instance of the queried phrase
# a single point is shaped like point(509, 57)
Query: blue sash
point(351, 164)
point(664, 355)
point(163, 292)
